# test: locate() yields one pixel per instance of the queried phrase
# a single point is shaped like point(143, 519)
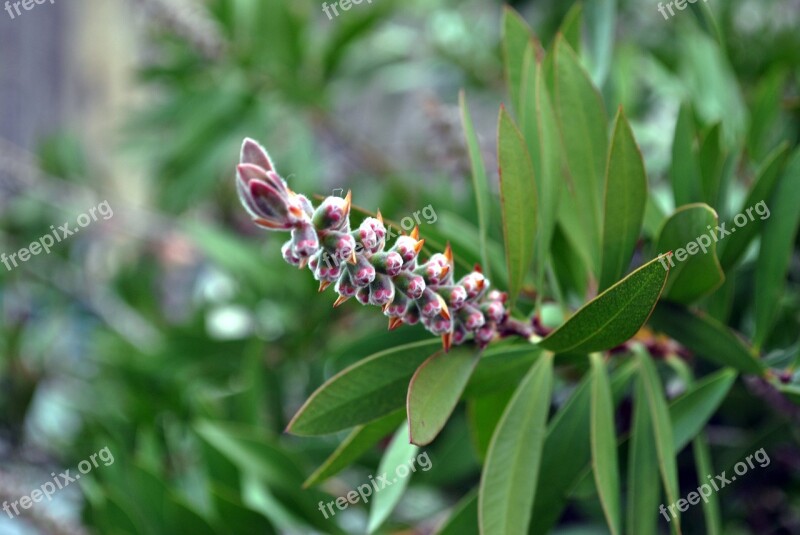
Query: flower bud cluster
point(359, 264)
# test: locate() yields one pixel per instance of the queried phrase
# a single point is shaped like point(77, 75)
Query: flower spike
point(361, 263)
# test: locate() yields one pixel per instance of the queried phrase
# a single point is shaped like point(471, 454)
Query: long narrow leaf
point(604, 444)
point(662, 428)
point(518, 200)
point(508, 481)
point(480, 183)
point(625, 198)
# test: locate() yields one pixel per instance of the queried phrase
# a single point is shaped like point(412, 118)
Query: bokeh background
point(173, 333)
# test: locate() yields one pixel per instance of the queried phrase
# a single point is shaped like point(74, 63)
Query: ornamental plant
point(612, 286)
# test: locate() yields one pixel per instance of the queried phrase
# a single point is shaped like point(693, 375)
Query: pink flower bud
point(471, 318)
point(372, 235)
point(497, 295)
point(339, 245)
point(430, 304)
point(455, 296)
point(485, 334)
point(333, 214)
point(324, 267)
point(387, 263)
point(304, 240)
point(252, 152)
point(362, 273)
point(345, 286)
point(494, 310)
point(363, 295)
point(412, 315)
point(267, 198)
point(288, 254)
point(437, 324)
point(435, 271)
point(381, 291)
point(475, 284)
point(412, 285)
point(399, 306)
point(306, 205)
point(408, 248)
point(459, 333)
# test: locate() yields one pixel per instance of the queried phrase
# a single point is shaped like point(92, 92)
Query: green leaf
point(480, 183)
point(735, 245)
point(398, 454)
point(695, 272)
point(625, 199)
point(691, 411)
point(567, 453)
point(685, 171)
point(583, 124)
point(539, 124)
point(702, 459)
point(662, 428)
point(435, 389)
point(614, 316)
point(464, 518)
point(500, 368)
point(484, 414)
point(571, 26)
point(705, 337)
point(712, 162)
point(362, 392)
point(518, 200)
point(508, 481)
point(360, 440)
point(604, 444)
point(643, 493)
point(516, 34)
point(777, 247)
point(767, 110)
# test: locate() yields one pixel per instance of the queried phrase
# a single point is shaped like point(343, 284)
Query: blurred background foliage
point(174, 334)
